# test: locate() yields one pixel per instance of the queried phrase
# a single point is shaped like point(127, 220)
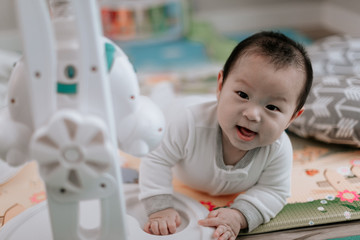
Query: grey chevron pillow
point(332, 110)
point(338, 55)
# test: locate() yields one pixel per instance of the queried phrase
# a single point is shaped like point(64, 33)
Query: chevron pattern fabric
point(332, 110)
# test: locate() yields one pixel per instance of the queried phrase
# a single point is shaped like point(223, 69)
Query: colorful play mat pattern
point(325, 188)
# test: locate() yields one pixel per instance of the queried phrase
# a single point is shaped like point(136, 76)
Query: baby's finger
point(213, 213)
point(177, 220)
point(225, 236)
point(171, 226)
point(210, 222)
point(147, 227)
point(219, 231)
point(163, 228)
point(154, 227)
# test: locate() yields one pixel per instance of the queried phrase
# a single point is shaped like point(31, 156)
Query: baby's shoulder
point(204, 113)
point(282, 144)
point(196, 106)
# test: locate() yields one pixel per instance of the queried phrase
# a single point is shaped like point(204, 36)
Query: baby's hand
point(163, 222)
point(227, 221)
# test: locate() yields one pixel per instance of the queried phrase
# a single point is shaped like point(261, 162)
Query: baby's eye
point(243, 95)
point(272, 108)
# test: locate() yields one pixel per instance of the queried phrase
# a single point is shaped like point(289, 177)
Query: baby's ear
point(220, 81)
point(295, 116)
point(299, 113)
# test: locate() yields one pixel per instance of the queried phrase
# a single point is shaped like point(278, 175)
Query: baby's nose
point(252, 114)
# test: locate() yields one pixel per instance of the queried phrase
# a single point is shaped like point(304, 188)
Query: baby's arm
point(263, 201)
point(163, 222)
point(227, 222)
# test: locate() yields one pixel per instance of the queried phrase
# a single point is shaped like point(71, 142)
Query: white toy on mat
point(62, 114)
point(73, 101)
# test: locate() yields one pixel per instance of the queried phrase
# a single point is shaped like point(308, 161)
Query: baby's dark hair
point(281, 51)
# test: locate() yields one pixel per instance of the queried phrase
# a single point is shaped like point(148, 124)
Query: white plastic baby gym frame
point(71, 114)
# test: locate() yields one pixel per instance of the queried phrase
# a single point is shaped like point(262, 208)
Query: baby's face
point(257, 102)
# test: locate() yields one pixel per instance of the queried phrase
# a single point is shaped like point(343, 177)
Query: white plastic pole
point(95, 98)
point(40, 56)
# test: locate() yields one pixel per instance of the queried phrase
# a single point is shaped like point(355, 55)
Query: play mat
point(325, 188)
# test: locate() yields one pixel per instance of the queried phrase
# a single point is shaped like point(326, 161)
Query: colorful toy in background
point(134, 22)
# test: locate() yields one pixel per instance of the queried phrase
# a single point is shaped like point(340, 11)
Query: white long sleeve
point(191, 148)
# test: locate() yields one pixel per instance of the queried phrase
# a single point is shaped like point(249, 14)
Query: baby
point(235, 143)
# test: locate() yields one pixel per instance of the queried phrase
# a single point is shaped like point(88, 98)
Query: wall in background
point(210, 5)
point(9, 37)
point(259, 14)
point(238, 15)
point(7, 15)
point(342, 16)
point(352, 5)
point(235, 15)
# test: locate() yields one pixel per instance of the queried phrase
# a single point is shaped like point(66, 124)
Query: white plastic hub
point(35, 221)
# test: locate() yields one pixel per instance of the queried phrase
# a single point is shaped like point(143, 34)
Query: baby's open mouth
point(245, 133)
